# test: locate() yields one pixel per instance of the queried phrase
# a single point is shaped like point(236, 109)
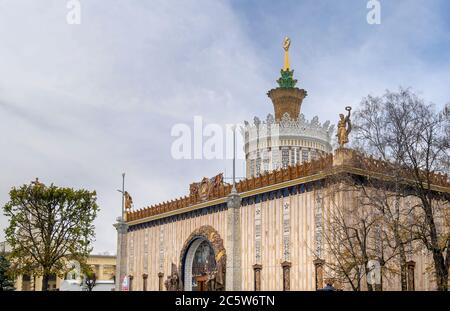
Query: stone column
point(410, 267)
point(18, 283)
point(233, 273)
point(38, 283)
point(144, 282)
point(160, 281)
point(286, 275)
point(121, 259)
point(33, 282)
point(257, 274)
point(58, 281)
point(100, 272)
point(131, 283)
point(318, 264)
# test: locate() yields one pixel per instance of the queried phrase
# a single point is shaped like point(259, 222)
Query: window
point(275, 158)
point(305, 155)
point(292, 157)
point(297, 154)
point(252, 167)
point(204, 264)
point(258, 164)
point(265, 160)
point(285, 157)
point(26, 282)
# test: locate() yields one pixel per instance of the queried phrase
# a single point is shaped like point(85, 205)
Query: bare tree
point(376, 136)
point(393, 233)
point(399, 128)
point(349, 234)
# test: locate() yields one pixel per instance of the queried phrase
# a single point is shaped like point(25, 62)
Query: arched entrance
point(203, 261)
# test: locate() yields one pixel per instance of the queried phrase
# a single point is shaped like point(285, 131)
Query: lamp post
point(122, 228)
point(123, 195)
point(234, 158)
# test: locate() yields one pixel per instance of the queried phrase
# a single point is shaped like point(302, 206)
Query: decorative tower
point(287, 98)
point(288, 138)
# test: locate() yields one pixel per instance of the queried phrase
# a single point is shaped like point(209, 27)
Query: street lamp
point(123, 194)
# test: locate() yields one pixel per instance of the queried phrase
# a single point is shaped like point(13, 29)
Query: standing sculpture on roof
point(344, 127)
point(128, 201)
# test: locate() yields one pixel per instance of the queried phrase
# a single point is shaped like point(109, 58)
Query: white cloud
point(82, 103)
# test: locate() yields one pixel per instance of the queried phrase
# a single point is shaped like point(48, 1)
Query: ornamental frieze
point(214, 188)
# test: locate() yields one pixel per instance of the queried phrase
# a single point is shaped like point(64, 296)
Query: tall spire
point(286, 45)
point(287, 98)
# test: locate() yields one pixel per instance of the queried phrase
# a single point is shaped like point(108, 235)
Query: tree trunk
point(399, 241)
point(441, 272)
point(366, 262)
point(381, 275)
point(403, 268)
point(440, 266)
point(45, 278)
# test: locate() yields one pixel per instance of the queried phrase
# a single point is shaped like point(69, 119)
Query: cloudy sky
point(80, 104)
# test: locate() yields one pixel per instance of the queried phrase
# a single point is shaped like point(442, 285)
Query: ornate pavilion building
point(266, 232)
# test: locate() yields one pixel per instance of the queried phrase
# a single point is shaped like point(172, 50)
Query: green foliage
point(90, 279)
point(287, 79)
point(6, 277)
point(49, 225)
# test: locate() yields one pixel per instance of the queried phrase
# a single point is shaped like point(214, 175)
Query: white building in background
point(103, 265)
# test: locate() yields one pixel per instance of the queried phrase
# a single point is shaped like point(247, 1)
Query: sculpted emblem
point(203, 189)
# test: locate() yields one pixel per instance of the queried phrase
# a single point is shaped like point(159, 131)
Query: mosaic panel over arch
point(209, 234)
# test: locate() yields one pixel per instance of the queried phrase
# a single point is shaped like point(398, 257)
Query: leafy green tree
point(49, 225)
point(90, 279)
point(6, 278)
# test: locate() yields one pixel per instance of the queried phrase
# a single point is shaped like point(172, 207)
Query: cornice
point(280, 179)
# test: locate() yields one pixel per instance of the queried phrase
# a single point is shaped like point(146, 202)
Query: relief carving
point(206, 188)
point(173, 282)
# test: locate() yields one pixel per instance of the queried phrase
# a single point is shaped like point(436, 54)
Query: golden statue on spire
point(286, 45)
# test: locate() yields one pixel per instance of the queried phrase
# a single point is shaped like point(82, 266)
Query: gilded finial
point(287, 76)
point(286, 45)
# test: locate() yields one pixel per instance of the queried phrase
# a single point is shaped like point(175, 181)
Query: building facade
point(104, 267)
point(266, 232)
